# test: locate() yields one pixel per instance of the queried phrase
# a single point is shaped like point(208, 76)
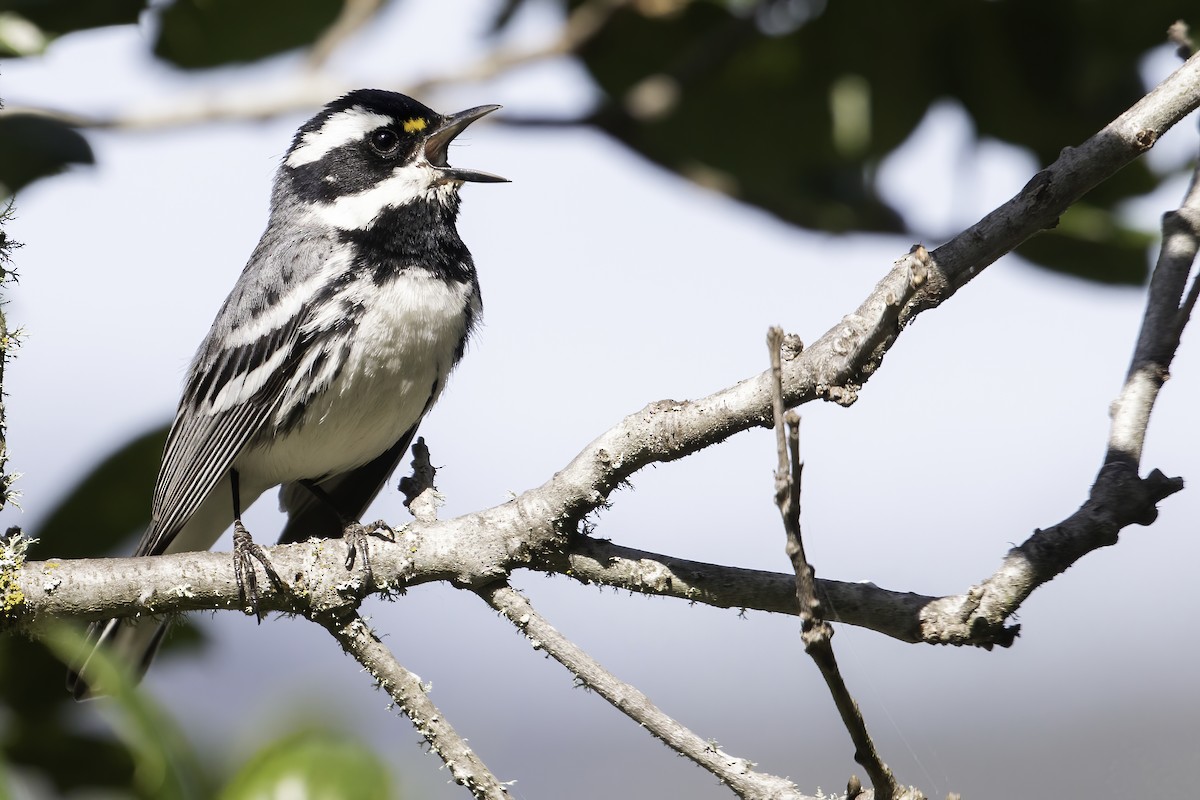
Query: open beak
point(438, 141)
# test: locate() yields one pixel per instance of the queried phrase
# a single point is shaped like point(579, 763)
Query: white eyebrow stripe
point(342, 127)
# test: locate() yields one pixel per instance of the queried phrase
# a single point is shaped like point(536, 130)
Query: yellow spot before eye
point(414, 124)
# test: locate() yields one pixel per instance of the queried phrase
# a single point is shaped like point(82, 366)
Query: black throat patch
point(419, 235)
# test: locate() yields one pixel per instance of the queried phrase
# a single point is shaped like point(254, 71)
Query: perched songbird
point(336, 340)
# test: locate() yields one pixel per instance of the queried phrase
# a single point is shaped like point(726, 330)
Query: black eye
point(384, 141)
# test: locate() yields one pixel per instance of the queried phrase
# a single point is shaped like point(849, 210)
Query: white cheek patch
point(343, 127)
point(357, 211)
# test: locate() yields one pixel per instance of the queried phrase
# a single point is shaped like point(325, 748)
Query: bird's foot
point(356, 535)
point(245, 553)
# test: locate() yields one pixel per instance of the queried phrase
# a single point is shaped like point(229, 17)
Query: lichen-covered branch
point(407, 691)
point(8, 343)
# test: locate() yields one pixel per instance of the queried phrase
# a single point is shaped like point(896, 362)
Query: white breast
point(396, 365)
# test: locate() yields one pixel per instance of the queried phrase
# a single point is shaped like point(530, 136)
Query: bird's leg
point(353, 532)
point(244, 550)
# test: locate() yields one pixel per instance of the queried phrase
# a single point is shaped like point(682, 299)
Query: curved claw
point(356, 535)
point(245, 553)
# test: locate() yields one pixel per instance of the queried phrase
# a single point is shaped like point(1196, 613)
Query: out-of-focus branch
point(313, 88)
point(737, 773)
point(354, 15)
point(1179, 35)
point(587, 20)
point(406, 690)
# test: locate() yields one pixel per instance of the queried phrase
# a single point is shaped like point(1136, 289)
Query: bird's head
point(372, 150)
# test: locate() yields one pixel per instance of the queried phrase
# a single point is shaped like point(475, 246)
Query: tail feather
point(132, 643)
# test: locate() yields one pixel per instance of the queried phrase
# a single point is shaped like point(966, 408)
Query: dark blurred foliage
point(56, 17)
point(791, 105)
point(96, 518)
point(328, 764)
point(34, 147)
point(211, 33)
point(147, 756)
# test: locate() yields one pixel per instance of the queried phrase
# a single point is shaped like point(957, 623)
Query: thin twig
point(737, 773)
point(1162, 328)
point(421, 496)
point(1179, 35)
point(406, 690)
point(815, 632)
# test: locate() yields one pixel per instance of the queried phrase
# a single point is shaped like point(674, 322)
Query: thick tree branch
point(405, 688)
point(1077, 170)
point(737, 773)
point(91, 589)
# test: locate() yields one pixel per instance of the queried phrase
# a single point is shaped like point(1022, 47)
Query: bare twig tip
point(792, 346)
point(1180, 36)
point(919, 262)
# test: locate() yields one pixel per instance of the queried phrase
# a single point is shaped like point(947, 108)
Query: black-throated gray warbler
point(336, 340)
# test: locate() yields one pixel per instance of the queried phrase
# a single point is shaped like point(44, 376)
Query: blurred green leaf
point(791, 105)
point(107, 506)
point(706, 94)
point(37, 733)
point(315, 764)
point(41, 733)
point(33, 147)
point(106, 509)
point(164, 763)
point(195, 34)
point(46, 19)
